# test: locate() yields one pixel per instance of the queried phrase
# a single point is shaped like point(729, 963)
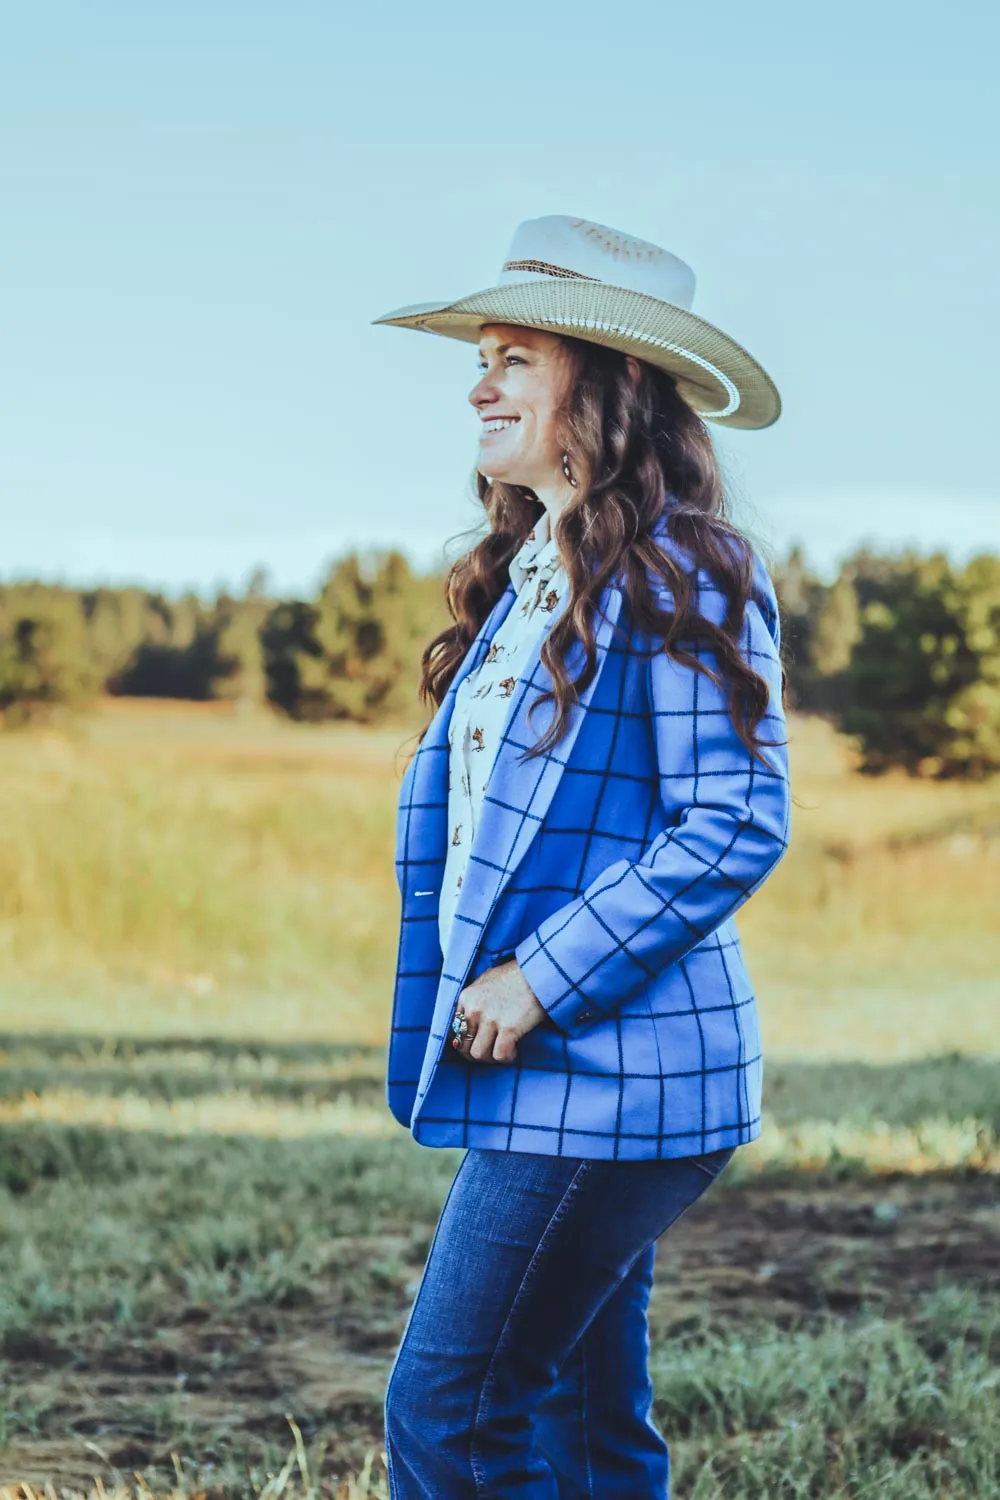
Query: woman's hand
point(500, 1007)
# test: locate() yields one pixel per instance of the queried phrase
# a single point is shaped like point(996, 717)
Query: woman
point(571, 1004)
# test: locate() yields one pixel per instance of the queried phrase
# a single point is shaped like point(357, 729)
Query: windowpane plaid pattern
point(612, 869)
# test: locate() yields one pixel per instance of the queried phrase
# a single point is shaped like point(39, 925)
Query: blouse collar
point(537, 554)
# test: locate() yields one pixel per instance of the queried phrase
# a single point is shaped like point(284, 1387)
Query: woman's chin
point(493, 472)
point(498, 469)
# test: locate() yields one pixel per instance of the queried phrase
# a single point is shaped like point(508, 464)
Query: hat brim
point(715, 375)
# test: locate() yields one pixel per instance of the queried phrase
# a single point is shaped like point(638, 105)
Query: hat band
point(544, 268)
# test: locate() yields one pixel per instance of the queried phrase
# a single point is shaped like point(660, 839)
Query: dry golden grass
point(179, 870)
point(187, 872)
point(877, 935)
point(296, 1480)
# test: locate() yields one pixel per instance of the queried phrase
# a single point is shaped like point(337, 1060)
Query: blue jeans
point(523, 1368)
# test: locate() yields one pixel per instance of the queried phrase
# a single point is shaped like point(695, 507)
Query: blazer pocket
point(490, 958)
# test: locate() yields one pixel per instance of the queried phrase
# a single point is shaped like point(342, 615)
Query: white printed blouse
point(483, 702)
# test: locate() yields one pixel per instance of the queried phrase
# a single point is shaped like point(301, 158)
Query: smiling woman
point(606, 444)
point(568, 902)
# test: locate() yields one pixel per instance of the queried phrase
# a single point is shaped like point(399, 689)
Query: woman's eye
point(481, 366)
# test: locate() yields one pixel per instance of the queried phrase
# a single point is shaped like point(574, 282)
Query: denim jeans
point(523, 1367)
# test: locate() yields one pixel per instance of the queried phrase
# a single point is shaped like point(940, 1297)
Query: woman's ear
point(632, 365)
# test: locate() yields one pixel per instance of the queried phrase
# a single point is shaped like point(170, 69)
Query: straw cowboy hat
point(610, 288)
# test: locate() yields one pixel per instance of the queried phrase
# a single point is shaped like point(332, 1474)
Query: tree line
point(901, 650)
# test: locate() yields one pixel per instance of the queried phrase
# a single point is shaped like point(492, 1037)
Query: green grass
point(894, 1408)
point(937, 1115)
point(884, 1407)
point(186, 1296)
point(951, 1087)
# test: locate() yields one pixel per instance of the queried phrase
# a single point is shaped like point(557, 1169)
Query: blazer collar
point(436, 734)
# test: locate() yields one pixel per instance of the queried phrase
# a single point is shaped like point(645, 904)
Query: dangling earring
point(566, 470)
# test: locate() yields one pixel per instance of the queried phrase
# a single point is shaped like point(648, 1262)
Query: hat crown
point(578, 249)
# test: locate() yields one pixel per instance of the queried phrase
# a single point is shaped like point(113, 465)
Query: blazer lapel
point(518, 793)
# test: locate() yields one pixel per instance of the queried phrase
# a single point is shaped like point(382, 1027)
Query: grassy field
point(183, 871)
point(211, 1228)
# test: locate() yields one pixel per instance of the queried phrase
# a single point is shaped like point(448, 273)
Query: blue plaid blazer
point(611, 869)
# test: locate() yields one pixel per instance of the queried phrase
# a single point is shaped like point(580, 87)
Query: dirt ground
point(215, 1391)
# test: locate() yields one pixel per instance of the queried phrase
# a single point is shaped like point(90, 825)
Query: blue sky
point(204, 206)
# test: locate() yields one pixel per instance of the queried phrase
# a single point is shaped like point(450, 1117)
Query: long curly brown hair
point(636, 449)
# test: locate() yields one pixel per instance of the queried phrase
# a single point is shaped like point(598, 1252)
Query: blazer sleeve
point(727, 825)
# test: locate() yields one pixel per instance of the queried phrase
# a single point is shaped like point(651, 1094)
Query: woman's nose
point(483, 391)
